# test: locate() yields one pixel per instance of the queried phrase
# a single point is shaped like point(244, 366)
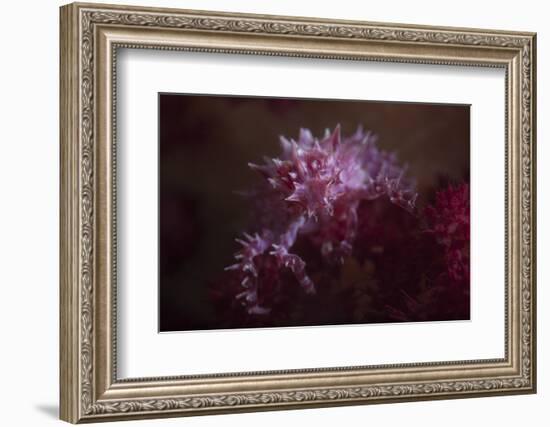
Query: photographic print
point(278, 212)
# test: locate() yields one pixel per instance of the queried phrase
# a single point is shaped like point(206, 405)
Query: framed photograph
point(266, 212)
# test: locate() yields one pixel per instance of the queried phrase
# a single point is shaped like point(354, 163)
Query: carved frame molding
point(90, 37)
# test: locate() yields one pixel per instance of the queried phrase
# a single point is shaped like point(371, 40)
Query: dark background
point(205, 144)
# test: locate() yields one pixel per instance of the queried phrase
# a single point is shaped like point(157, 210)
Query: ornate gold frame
point(90, 36)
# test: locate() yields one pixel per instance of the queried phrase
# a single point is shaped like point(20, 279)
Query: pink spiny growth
point(313, 189)
point(449, 220)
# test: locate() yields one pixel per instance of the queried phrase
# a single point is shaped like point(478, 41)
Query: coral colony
point(336, 237)
point(314, 189)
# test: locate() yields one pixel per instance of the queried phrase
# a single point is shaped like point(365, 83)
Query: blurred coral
point(445, 290)
point(449, 221)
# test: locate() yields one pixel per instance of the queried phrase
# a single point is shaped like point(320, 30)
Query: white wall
point(29, 170)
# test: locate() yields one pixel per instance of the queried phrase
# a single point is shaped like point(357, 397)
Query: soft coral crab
point(313, 189)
